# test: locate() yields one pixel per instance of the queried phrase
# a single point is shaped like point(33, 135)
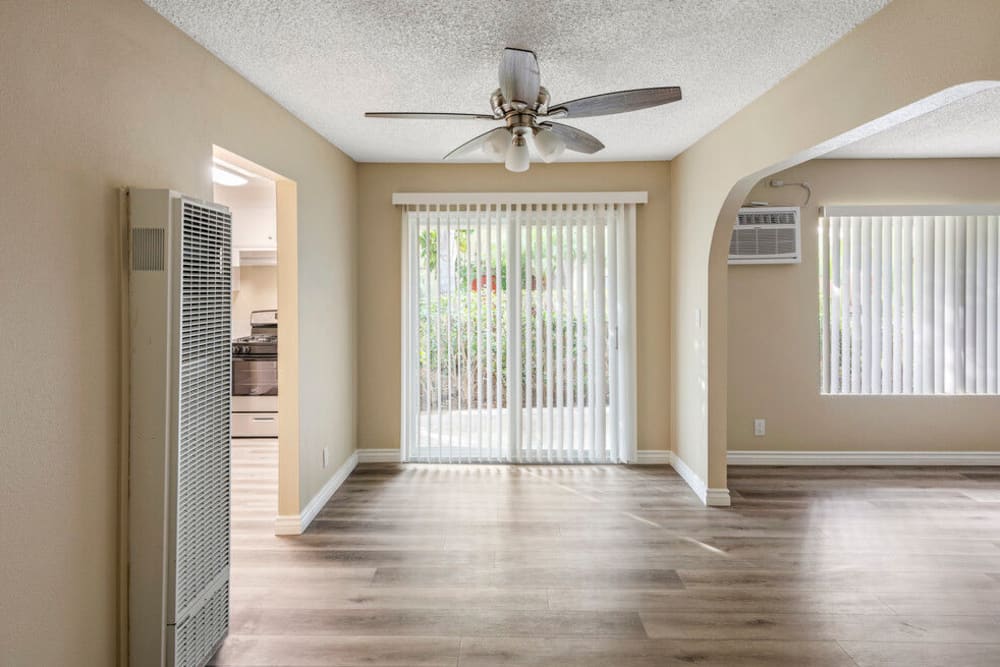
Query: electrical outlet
point(759, 427)
point(326, 456)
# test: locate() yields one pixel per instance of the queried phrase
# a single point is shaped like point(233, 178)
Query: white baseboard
point(861, 458)
point(378, 456)
point(710, 497)
point(717, 498)
point(296, 524)
point(653, 457)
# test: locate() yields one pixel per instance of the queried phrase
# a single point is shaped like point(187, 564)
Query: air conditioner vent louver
point(762, 216)
point(768, 235)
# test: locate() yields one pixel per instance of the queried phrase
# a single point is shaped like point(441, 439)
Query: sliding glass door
point(518, 333)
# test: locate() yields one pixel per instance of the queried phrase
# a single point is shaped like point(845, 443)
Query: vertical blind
point(908, 300)
point(518, 332)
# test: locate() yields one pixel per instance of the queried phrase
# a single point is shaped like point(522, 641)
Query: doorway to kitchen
point(264, 364)
point(518, 317)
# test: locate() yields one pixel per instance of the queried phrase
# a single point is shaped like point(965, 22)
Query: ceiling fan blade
point(617, 102)
point(575, 140)
point(519, 78)
point(475, 143)
point(429, 116)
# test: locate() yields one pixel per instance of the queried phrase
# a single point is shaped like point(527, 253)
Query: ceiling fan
point(522, 104)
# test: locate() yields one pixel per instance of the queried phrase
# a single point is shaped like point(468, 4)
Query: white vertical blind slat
point(561, 379)
point(927, 317)
point(423, 337)
point(949, 305)
point(467, 290)
point(513, 331)
point(866, 303)
point(982, 240)
point(992, 298)
point(847, 336)
point(627, 348)
point(960, 309)
point(594, 334)
point(436, 218)
point(603, 334)
point(500, 342)
point(480, 383)
point(824, 310)
point(917, 317)
point(906, 305)
point(527, 335)
point(539, 337)
point(834, 364)
point(895, 322)
point(551, 337)
point(855, 300)
point(445, 243)
point(887, 306)
point(569, 319)
point(875, 299)
point(487, 289)
point(579, 334)
point(939, 303)
point(611, 235)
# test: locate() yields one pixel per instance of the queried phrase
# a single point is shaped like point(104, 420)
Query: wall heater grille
point(205, 375)
point(179, 429)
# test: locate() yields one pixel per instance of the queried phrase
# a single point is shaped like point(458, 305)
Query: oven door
point(255, 376)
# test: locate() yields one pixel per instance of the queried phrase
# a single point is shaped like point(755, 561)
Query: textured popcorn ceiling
point(329, 61)
point(969, 127)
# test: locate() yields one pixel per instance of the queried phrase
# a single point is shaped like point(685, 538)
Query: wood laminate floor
point(474, 566)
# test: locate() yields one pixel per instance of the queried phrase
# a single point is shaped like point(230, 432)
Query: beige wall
point(97, 95)
point(774, 332)
point(379, 279)
point(910, 51)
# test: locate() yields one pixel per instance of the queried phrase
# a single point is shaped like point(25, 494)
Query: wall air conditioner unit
point(180, 373)
point(766, 235)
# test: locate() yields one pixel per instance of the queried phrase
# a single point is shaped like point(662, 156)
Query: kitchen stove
point(255, 378)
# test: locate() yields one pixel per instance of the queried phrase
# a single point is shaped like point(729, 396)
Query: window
point(908, 299)
point(518, 327)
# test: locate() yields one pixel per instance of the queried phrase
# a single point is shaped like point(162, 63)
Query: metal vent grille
point(202, 559)
point(198, 636)
point(148, 248)
point(762, 242)
point(766, 235)
point(766, 218)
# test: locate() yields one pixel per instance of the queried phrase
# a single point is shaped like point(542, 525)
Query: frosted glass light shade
point(497, 144)
point(549, 146)
point(518, 157)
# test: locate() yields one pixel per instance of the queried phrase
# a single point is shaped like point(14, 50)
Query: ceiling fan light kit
point(521, 103)
point(518, 158)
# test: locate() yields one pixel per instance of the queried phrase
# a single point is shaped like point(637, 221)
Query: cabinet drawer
point(254, 425)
